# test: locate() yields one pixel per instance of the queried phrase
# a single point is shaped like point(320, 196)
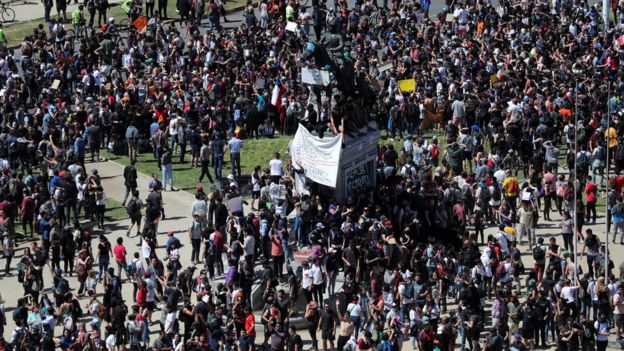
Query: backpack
point(500, 270)
point(62, 287)
point(619, 153)
point(434, 151)
point(583, 160)
point(484, 196)
point(466, 194)
point(496, 194)
point(514, 187)
point(212, 248)
point(538, 253)
point(133, 207)
point(571, 135)
point(131, 268)
point(408, 293)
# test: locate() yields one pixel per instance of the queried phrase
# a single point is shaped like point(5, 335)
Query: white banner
point(318, 157)
point(314, 76)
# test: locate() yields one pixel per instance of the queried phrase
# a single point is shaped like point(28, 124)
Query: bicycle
point(82, 34)
point(6, 13)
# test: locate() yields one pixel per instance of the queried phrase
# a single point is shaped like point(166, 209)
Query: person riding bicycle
point(109, 27)
point(78, 19)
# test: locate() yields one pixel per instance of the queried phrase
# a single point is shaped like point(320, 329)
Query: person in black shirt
point(542, 312)
point(294, 340)
point(529, 323)
point(130, 180)
point(327, 326)
point(220, 214)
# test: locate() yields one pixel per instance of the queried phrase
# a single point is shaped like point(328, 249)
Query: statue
point(356, 94)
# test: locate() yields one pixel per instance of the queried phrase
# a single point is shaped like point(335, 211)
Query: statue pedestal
point(358, 165)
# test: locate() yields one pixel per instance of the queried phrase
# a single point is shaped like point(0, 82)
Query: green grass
point(114, 210)
point(255, 153)
point(16, 31)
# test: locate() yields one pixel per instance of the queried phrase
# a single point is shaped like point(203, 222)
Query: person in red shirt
point(27, 212)
point(590, 192)
point(141, 295)
point(120, 256)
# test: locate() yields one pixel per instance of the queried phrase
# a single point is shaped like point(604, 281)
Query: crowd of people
point(525, 103)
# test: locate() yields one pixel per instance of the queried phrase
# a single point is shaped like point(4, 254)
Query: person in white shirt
point(170, 320)
point(306, 281)
point(276, 168)
point(355, 314)
point(568, 293)
point(249, 246)
point(503, 239)
point(318, 277)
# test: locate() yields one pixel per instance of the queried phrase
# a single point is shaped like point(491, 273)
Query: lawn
point(255, 153)
point(15, 32)
point(114, 210)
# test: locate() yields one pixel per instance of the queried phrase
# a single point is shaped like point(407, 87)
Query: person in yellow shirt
point(511, 189)
point(612, 139)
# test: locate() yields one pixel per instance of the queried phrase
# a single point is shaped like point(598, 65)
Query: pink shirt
point(120, 253)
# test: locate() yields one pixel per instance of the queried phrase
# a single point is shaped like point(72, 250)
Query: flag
point(278, 91)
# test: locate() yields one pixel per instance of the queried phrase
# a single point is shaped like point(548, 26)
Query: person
point(130, 180)
point(167, 168)
point(235, 145)
point(132, 138)
point(134, 211)
point(205, 161)
point(276, 168)
point(217, 146)
point(120, 256)
point(602, 328)
point(327, 327)
point(77, 18)
point(196, 231)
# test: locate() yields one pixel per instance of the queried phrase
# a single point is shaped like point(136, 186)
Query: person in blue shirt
point(235, 145)
point(79, 150)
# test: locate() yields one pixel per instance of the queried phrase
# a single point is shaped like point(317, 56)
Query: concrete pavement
point(177, 205)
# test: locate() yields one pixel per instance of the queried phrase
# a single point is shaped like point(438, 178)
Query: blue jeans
point(103, 265)
point(287, 253)
point(297, 230)
point(167, 174)
point(235, 165)
point(218, 166)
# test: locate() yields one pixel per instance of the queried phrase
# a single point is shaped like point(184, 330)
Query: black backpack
point(538, 253)
point(61, 287)
point(133, 207)
point(496, 194)
point(619, 153)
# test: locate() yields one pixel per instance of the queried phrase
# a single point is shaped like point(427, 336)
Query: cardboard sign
point(277, 192)
point(140, 23)
point(493, 78)
point(385, 67)
point(314, 76)
point(55, 84)
point(407, 85)
point(291, 27)
point(235, 204)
